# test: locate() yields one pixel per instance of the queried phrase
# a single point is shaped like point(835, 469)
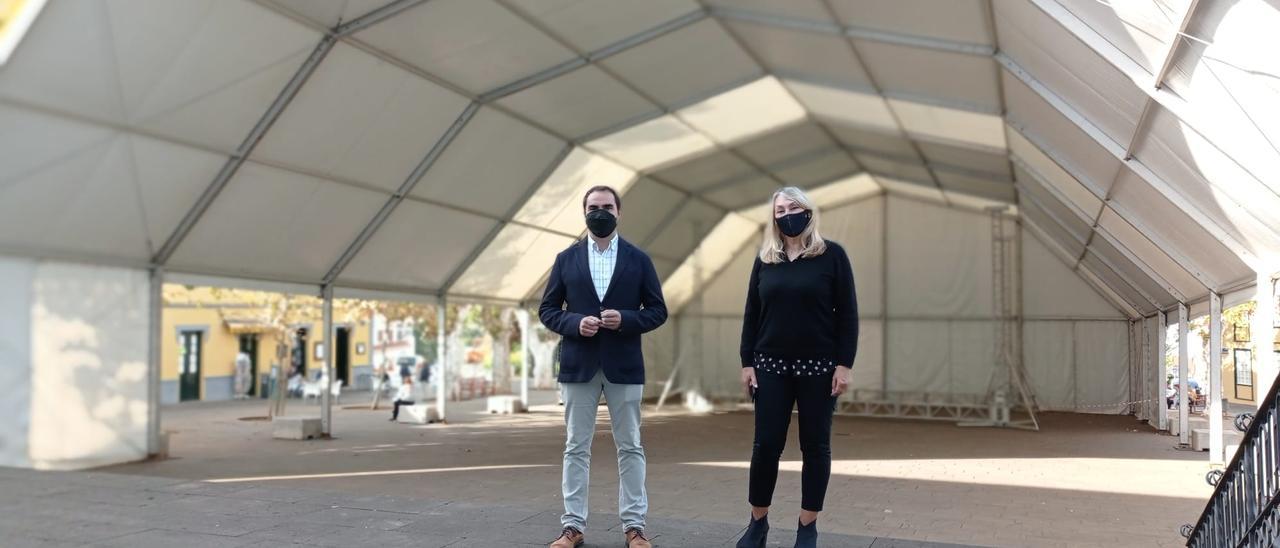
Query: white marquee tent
point(438, 149)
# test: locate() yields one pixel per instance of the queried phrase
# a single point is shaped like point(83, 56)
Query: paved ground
point(103, 509)
point(1082, 481)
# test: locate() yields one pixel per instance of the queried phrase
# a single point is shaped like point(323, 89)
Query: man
point(602, 294)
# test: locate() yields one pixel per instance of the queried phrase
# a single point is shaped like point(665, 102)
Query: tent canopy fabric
point(441, 148)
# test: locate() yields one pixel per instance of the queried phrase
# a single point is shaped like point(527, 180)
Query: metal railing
point(1243, 509)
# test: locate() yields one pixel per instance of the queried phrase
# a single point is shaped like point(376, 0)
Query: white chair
point(311, 389)
point(336, 392)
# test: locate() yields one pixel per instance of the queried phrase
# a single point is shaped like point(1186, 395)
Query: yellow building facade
point(205, 330)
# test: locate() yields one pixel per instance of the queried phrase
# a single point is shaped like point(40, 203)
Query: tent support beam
point(1263, 335)
point(1214, 405)
point(1158, 373)
point(1184, 373)
point(884, 293)
point(155, 340)
point(326, 396)
point(442, 359)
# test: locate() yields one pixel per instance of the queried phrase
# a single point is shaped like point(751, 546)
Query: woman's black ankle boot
point(807, 535)
point(757, 533)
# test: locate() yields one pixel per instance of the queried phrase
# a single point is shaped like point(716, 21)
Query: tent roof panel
point(557, 204)
point(917, 72)
point(960, 21)
point(817, 169)
point(721, 117)
point(490, 187)
point(949, 124)
point(87, 203)
point(582, 102)
point(1073, 70)
point(419, 245)
point(786, 144)
point(805, 56)
point(809, 10)
point(330, 13)
point(645, 207)
point(476, 44)
point(167, 68)
point(361, 119)
point(590, 25)
point(1147, 252)
point(283, 225)
point(754, 190)
point(1119, 261)
point(850, 107)
point(1040, 123)
point(654, 144)
point(880, 165)
point(687, 63)
point(681, 234)
point(712, 169)
point(982, 187)
point(1134, 199)
point(1064, 240)
point(1140, 29)
point(512, 263)
point(874, 140)
point(977, 160)
point(1032, 162)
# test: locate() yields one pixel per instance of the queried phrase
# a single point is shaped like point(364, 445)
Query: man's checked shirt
point(602, 264)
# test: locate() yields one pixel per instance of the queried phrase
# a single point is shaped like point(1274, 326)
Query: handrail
point(1242, 511)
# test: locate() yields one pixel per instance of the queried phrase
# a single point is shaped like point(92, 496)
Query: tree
point(542, 348)
point(499, 322)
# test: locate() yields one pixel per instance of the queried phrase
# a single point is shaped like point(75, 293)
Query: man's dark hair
point(617, 199)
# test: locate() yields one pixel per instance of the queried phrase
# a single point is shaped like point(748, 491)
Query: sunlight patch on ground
point(1145, 477)
point(377, 473)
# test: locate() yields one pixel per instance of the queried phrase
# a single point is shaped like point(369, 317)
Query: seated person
point(404, 396)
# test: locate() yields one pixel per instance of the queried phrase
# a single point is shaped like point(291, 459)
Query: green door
point(189, 376)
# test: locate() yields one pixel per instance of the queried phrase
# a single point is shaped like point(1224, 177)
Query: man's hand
point(839, 380)
point(611, 319)
point(589, 326)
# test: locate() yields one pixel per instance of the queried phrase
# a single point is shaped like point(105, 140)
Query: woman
point(799, 337)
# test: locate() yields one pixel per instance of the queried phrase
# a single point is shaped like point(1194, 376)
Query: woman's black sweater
point(802, 309)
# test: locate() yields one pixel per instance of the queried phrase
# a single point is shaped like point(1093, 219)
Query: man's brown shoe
point(569, 538)
point(636, 539)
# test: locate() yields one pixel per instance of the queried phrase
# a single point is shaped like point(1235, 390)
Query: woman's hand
point(749, 380)
point(840, 380)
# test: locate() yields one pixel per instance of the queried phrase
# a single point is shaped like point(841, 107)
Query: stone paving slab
point(116, 510)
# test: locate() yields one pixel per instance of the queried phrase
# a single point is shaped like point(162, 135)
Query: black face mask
point(794, 224)
point(601, 222)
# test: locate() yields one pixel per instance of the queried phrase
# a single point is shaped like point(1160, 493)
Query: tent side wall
point(74, 373)
point(940, 331)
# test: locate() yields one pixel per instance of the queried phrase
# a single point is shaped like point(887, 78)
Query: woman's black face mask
point(794, 224)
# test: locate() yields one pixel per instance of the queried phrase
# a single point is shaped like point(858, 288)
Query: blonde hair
point(772, 250)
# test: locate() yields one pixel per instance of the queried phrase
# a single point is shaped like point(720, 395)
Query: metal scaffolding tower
point(1009, 377)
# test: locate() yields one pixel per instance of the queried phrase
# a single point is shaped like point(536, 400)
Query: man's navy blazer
point(634, 291)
